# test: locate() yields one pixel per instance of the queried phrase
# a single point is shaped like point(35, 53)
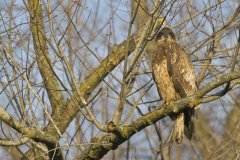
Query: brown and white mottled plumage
point(175, 79)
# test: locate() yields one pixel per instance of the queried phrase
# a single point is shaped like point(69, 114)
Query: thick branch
point(107, 65)
point(22, 128)
point(42, 55)
point(10, 143)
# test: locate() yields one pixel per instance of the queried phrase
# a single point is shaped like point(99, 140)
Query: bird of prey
point(175, 78)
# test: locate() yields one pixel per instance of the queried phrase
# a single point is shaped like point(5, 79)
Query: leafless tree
point(76, 83)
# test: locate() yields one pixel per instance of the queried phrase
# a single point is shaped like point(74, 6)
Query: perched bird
point(174, 76)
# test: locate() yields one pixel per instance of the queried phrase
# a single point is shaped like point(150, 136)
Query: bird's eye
point(159, 35)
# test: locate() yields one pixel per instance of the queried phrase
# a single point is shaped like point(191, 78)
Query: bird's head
point(165, 34)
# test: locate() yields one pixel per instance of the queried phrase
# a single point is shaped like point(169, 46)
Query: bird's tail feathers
point(188, 123)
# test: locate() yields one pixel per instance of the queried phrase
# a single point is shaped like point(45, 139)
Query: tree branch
point(22, 128)
point(43, 58)
point(9, 143)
